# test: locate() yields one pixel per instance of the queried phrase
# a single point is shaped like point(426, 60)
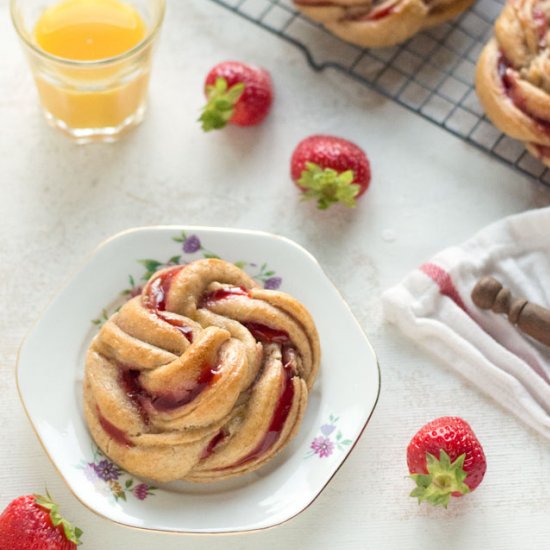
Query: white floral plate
point(51, 363)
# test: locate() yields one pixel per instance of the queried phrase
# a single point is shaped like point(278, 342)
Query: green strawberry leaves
point(221, 104)
point(443, 479)
point(72, 532)
point(328, 186)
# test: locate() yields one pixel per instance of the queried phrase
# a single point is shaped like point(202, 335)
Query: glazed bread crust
point(373, 24)
point(204, 376)
point(513, 75)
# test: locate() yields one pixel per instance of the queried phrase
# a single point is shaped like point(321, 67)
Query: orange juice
point(89, 30)
point(87, 90)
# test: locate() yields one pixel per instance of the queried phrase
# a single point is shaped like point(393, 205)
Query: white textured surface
point(429, 190)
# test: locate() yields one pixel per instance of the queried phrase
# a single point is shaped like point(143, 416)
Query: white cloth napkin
point(432, 305)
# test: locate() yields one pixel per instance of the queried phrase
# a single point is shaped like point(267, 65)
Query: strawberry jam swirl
point(157, 291)
point(277, 423)
point(217, 405)
point(146, 402)
point(217, 440)
point(511, 88)
point(381, 13)
point(221, 294)
point(541, 24)
point(368, 13)
point(264, 334)
point(261, 332)
point(115, 433)
point(156, 297)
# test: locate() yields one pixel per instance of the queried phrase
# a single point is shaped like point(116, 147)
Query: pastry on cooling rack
point(513, 75)
point(377, 24)
point(204, 376)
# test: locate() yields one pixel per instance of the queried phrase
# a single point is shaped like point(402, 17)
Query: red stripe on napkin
point(443, 280)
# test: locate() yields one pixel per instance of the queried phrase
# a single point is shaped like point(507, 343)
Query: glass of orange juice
point(91, 61)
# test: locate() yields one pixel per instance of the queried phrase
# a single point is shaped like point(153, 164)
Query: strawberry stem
point(221, 104)
point(72, 533)
point(328, 186)
point(442, 480)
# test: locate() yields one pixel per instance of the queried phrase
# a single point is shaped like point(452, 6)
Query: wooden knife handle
point(532, 319)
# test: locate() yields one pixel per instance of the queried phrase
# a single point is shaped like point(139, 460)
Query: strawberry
point(330, 170)
point(445, 459)
point(238, 94)
point(33, 522)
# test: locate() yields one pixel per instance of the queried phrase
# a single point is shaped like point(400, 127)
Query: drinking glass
point(95, 100)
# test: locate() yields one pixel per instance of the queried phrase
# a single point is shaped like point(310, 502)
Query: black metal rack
point(432, 74)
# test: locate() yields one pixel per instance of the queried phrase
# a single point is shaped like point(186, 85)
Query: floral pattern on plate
point(111, 480)
point(329, 439)
point(60, 427)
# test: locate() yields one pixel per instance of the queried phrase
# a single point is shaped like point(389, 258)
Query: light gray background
point(429, 190)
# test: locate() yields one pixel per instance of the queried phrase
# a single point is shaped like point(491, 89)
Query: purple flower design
point(322, 446)
point(191, 244)
point(112, 481)
point(141, 491)
point(106, 470)
point(273, 283)
point(327, 429)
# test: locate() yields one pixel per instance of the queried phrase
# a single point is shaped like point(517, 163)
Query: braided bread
point(204, 376)
point(513, 75)
point(380, 23)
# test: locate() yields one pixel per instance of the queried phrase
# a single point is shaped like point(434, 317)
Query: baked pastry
point(203, 376)
point(377, 24)
point(513, 75)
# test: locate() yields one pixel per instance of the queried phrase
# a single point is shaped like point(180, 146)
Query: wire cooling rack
point(432, 74)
